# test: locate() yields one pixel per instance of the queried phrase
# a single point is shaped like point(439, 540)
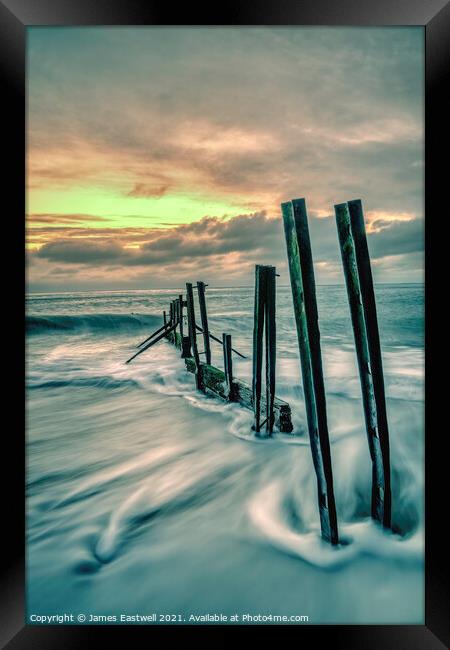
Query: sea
point(147, 498)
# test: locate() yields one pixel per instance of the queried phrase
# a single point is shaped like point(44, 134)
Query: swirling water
point(145, 496)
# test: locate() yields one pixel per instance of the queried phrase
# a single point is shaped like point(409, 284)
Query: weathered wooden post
point(165, 318)
point(175, 322)
point(180, 314)
point(258, 329)
point(204, 318)
point(185, 340)
point(228, 367)
point(264, 320)
point(193, 334)
point(306, 318)
point(370, 314)
point(270, 347)
point(366, 342)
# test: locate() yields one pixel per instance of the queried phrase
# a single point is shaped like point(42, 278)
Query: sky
point(157, 156)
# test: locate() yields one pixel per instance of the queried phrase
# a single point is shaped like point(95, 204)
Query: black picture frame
point(15, 17)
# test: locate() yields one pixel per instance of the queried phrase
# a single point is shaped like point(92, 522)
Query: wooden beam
point(306, 318)
point(373, 335)
point(149, 345)
point(204, 318)
point(258, 328)
point(214, 338)
point(151, 336)
point(270, 345)
point(193, 334)
point(180, 314)
point(228, 367)
point(361, 296)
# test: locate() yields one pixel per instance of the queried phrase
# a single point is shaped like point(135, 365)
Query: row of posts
point(189, 344)
point(361, 296)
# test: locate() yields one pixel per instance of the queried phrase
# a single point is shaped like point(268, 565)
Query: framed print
point(228, 223)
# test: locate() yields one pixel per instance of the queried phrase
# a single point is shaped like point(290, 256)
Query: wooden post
point(180, 314)
point(306, 318)
point(370, 314)
point(174, 315)
point(204, 318)
point(228, 366)
point(185, 340)
point(358, 277)
point(258, 325)
point(270, 345)
point(193, 333)
point(165, 318)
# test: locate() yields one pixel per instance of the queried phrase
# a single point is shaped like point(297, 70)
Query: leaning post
point(204, 318)
point(228, 366)
point(193, 334)
point(355, 298)
point(270, 345)
point(180, 313)
point(370, 314)
point(305, 310)
point(258, 325)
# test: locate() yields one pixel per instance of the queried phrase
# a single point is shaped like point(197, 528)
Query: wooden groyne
point(269, 412)
point(222, 383)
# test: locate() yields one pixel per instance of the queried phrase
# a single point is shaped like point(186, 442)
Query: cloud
point(223, 250)
point(60, 219)
point(263, 112)
point(146, 189)
point(249, 116)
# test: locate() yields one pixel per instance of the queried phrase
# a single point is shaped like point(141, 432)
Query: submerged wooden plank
point(215, 383)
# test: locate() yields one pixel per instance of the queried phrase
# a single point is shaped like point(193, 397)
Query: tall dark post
point(204, 318)
point(228, 366)
point(264, 320)
point(180, 314)
point(258, 329)
point(165, 318)
point(370, 314)
point(175, 320)
point(361, 294)
point(193, 333)
point(306, 317)
point(270, 345)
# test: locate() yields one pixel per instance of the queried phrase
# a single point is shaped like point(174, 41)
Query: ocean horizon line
point(178, 288)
